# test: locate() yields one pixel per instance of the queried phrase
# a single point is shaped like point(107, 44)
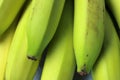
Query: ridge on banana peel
point(8, 11)
point(60, 60)
point(5, 42)
point(19, 67)
point(43, 22)
point(114, 6)
point(107, 66)
point(88, 33)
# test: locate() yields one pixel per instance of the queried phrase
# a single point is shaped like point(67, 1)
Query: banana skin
point(5, 42)
point(19, 67)
point(88, 33)
point(60, 60)
point(43, 22)
point(107, 66)
point(8, 12)
point(114, 6)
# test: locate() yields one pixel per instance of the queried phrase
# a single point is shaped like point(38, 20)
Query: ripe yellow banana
point(5, 42)
point(107, 66)
point(19, 67)
point(88, 33)
point(60, 60)
point(8, 11)
point(43, 22)
point(114, 6)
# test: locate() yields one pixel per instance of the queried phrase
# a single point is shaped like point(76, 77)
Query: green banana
point(107, 66)
point(88, 33)
point(33, 71)
point(5, 42)
point(19, 67)
point(60, 60)
point(114, 6)
point(44, 18)
point(8, 11)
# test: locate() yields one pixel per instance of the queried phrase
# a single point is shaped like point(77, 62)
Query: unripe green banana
point(5, 42)
point(19, 67)
point(43, 22)
point(8, 11)
point(114, 6)
point(88, 33)
point(60, 60)
point(107, 66)
point(33, 71)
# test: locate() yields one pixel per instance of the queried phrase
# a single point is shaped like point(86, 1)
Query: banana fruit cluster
point(71, 36)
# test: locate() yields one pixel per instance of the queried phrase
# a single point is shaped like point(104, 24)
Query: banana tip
point(31, 58)
point(82, 73)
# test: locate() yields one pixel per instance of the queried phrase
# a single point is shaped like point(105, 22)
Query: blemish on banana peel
point(31, 58)
point(87, 55)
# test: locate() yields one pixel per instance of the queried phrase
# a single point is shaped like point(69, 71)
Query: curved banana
point(5, 42)
point(107, 66)
point(60, 60)
point(19, 67)
point(8, 11)
point(114, 6)
point(88, 33)
point(44, 18)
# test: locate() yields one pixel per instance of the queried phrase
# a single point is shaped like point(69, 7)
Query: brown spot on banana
point(31, 58)
point(87, 55)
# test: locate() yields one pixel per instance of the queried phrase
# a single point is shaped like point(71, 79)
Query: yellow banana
point(88, 33)
point(60, 60)
point(43, 22)
point(5, 42)
point(8, 11)
point(107, 66)
point(114, 6)
point(19, 67)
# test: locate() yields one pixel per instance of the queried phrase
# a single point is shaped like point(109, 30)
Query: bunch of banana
point(19, 67)
point(88, 33)
point(5, 42)
point(71, 32)
point(107, 66)
point(8, 11)
point(114, 6)
point(60, 60)
point(42, 24)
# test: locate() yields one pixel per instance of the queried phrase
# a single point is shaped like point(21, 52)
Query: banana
point(114, 6)
point(44, 18)
point(19, 67)
point(33, 71)
point(88, 33)
point(5, 42)
point(8, 11)
point(60, 59)
point(107, 66)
